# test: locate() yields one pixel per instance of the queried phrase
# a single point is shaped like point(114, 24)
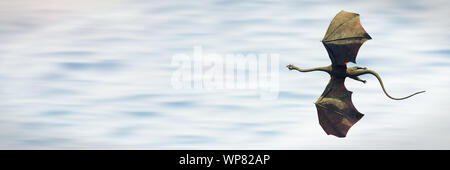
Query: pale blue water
point(85, 75)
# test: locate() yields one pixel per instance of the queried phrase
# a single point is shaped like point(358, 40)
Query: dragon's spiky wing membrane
point(335, 108)
point(344, 37)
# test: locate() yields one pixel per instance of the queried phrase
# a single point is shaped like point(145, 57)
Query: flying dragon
point(335, 109)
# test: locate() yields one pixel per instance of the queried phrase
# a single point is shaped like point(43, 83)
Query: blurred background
point(97, 75)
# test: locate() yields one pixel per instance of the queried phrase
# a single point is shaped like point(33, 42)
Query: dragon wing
point(336, 110)
point(344, 37)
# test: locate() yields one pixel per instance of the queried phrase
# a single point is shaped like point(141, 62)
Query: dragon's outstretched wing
point(335, 108)
point(344, 37)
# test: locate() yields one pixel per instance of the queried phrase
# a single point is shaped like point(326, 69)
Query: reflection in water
point(84, 75)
